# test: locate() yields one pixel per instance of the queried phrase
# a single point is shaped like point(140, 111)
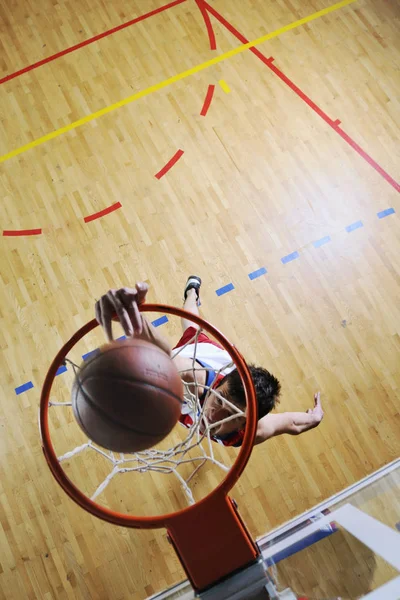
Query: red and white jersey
point(208, 352)
point(218, 363)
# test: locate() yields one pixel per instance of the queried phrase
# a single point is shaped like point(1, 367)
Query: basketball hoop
point(209, 536)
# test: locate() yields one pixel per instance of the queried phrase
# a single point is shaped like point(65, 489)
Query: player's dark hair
point(266, 385)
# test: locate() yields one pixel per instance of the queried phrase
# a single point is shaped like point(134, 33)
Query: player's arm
point(151, 334)
point(125, 304)
point(292, 423)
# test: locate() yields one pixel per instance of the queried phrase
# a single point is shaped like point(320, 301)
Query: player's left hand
point(125, 303)
point(317, 411)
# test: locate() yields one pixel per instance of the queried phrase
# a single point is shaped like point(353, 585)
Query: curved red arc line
point(208, 24)
point(103, 212)
point(95, 38)
point(169, 164)
point(207, 100)
point(21, 232)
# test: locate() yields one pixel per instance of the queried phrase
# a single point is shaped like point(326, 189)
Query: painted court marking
point(21, 232)
point(207, 100)
point(23, 388)
point(209, 27)
point(90, 41)
point(167, 82)
point(385, 213)
point(169, 164)
point(322, 241)
point(354, 226)
point(333, 123)
point(103, 212)
point(224, 86)
point(160, 321)
point(290, 257)
point(90, 354)
point(225, 289)
point(29, 385)
point(258, 273)
point(220, 292)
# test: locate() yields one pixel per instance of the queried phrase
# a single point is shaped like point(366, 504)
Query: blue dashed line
point(225, 289)
point(90, 354)
point(257, 273)
point(24, 387)
point(290, 257)
point(385, 213)
point(322, 241)
point(354, 226)
point(160, 321)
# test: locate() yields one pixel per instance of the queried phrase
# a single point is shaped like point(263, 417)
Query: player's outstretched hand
point(317, 411)
point(124, 302)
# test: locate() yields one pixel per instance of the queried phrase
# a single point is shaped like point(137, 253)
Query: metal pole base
point(247, 584)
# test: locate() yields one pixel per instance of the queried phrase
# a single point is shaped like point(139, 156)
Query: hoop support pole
point(212, 542)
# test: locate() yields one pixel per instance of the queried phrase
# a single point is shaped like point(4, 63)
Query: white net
point(199, 445)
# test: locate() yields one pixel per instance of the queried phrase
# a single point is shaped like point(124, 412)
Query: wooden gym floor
point(286, 157)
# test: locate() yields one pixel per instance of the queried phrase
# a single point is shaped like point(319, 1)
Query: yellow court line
point(224, 86)
point(170, 80)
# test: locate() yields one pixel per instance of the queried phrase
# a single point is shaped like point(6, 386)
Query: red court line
point(20, 232)
point(90, 40)
point(169, 164)
point(366, 156)
point(207, 100)
point(208, 24)
point(334, 124)
point(101, 213)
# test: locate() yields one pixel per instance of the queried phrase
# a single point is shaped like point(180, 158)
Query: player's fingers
point(317, 398)
point(129, 300)
point(136, 318)
point(142, 289)
point(104, 316)
point(121, 311)
point(97, 312)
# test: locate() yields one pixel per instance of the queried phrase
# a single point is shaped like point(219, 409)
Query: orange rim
point(161, 520)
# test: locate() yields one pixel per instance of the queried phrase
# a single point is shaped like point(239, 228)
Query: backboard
point(347, 547)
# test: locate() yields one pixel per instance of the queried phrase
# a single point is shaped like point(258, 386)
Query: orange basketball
point(128, 397)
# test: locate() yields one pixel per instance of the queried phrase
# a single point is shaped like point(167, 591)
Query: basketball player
point(210, 357)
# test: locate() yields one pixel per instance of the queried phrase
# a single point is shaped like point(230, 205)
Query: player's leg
point(191, 300)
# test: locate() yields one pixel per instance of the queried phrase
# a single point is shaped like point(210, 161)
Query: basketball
point(128, 397)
